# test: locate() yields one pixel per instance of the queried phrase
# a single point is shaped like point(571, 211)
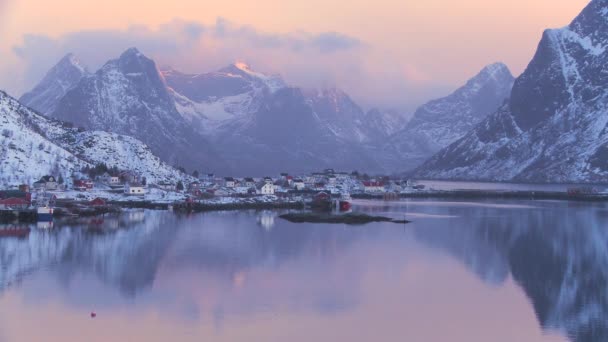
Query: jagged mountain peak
point(242, 66)
point(442, 121)
point(129, 96)
point(493, 75)
point(134, 63)
point(60, 79)
point(242, 69)
point(132, 52)
point(70, 60)
point(497, 71)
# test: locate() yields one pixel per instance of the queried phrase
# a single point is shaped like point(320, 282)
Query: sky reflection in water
point(488, 271)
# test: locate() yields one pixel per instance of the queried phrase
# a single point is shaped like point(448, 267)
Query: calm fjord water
point(462, 271)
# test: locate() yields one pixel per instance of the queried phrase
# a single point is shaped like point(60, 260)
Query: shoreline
point(30, 216)
point(489, 194)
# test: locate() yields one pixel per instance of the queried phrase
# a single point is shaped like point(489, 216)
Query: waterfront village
point(100, 189)
point(105, 186)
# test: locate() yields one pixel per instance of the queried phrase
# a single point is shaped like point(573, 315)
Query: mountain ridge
point(554, 128)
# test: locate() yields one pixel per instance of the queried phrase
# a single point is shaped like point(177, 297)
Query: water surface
point(462, 271)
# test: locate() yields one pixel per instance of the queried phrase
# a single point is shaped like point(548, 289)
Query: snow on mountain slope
point(25, 154)
point(336, 111)
point(554, 128)
point(34, 146)
point(58, 81)
point(208, 100)
point(239, 109)
point(287, 134)
point(382, 123)
point(440, 122)
point(129, 96)
point(124, 152)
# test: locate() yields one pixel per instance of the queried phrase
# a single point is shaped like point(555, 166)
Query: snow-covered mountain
point(58, 81)
point(554, 128)
point(440, 122)
point(229, 93)
point(33, 146)
point(236, 112)
point(384, 123)
point(128, 96)
point(287, 134)
point(251, 119)
point(25, 152)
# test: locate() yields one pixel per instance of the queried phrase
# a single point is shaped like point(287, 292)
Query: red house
point(14, 203)
point(83, 184)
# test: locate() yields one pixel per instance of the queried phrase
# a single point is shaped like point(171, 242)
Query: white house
point(110, 180)
point(229, 182)
point(46, 183)
point(299, 184)
point(266, 189)
point(135, 189)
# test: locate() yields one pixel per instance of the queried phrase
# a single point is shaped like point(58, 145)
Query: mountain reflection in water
point(230, 276)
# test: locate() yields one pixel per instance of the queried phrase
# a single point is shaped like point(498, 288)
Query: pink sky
point(406, 51)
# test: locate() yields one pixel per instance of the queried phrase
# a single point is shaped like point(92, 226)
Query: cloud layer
point(326, 59)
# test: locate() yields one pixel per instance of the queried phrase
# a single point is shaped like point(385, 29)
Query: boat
point(45, 214)
point(344, 203)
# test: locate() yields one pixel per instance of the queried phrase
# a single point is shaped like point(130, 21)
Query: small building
point(229, 182)
point(46, 183)
point(24, 188)
point(249, 182)
point(110, 180)
point(130, 177)
point(83, 184)
point(373, 186)
point(14, 203)
point(135, 189)
point(299, 184)
point(268, 180)
point(195, 186)
point(266, 189)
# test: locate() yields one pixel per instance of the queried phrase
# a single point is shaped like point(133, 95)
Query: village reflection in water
point(489, 266)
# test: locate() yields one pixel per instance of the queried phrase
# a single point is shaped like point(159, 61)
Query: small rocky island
point(351, 218)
